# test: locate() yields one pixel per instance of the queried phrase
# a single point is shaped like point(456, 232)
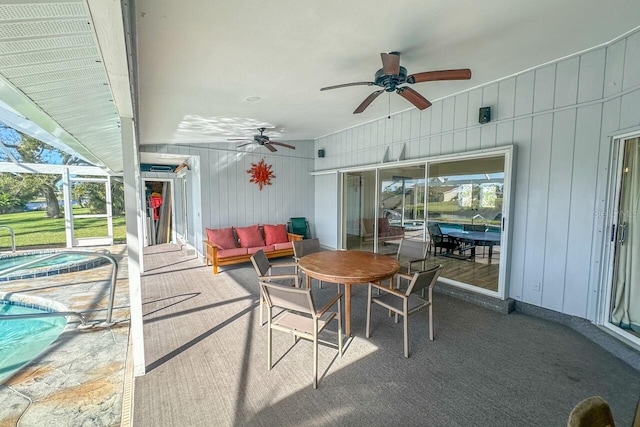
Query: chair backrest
point(306, 247)
point(474, 227)
point(592, 411)
point(424, 279)
point(296, 299)
point(415, 249)
point(300, 226)
point(435, 232)
point(260, 263)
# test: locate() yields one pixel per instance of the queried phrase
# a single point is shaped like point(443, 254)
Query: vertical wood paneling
point(459, 141)
point(490, 98)
point(396, 128)
point(536, 215)
point(591, 80)
point(524, 93)
point(448, 114)
point(506, 99)
point(581, 215)
point(447, 144)
point(632, 62)
point(473, 139)
point(488, 136)
point(504, 134)
point(614, 68)
point(522, 138)
point(475, 102)
point(543, 91)
point(326, 209)
point(436, 117)
point(415, 123)
point(462, 104)
point(424, 147)
point(435, 145)
point(425, 122)
point(406, 125)
point(557, 220)
point(566, 91)
point(630, 110)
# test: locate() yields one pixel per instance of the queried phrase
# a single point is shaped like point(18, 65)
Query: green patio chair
point(299, 226)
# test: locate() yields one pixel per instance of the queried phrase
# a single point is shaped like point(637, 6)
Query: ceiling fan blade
point(282, 144)
point(242, 145)
point(413, 97)
point(429, 76)
point(367, 101)
point(349, 84)
point(239, 139)
point(270, 147)
point(391, 63)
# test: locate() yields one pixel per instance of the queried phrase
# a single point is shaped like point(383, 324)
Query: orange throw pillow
point(275, 234)
point(223, 238)
point(250, 237)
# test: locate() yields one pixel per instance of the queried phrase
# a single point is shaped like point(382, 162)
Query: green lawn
point(35, 229)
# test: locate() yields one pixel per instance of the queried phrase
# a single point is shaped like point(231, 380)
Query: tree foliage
point(25, 187)
point(93, 196)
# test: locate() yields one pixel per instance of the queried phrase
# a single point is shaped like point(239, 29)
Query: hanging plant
point(261, 173)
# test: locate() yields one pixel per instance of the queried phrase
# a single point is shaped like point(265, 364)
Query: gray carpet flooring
point(206, 362)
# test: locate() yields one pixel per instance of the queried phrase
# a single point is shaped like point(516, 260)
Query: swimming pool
point(63, 264)
point(21, 340)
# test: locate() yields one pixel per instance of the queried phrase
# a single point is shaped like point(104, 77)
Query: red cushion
point(383, 224)
point(275, 234)
point(280, 246)
point(264, 249)
point(250, 237)
point(225, 253)
point(223, 238)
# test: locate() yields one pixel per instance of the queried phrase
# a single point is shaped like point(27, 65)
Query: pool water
point(23, 259)
point(23, 339)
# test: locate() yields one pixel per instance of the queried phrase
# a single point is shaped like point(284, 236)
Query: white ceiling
point(200, 60)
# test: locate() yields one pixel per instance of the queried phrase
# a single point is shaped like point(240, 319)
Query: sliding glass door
point(458, 205)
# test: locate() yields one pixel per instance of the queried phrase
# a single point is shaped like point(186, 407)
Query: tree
point(30, 150)
point(93, 196)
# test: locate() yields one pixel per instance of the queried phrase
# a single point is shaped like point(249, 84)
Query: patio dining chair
point(299, 318)
point(405, 303)
point(264, 270)
point(439, 240)
point(305, 247)
point(411, 252)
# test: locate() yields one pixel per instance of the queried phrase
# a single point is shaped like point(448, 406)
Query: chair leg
point(368, 312)
point(406, 335)
point(431, 322)
point(340, 327)
point(315, 353)
point(269, 338)
point(262, 301)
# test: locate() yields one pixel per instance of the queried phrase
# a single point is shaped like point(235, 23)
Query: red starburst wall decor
point(261, 174)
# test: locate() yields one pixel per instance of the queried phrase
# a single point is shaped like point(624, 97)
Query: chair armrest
point(324, 309)
point(294, 237)
point(411, 261)
point(279, 276)
point(209, 244)
point(387, 290)
point(284, 264)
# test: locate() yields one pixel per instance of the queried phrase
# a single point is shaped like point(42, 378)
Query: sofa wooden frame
point(211, 254)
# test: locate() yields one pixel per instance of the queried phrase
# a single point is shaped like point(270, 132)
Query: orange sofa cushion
point(223, 238)
point(250, 237)
point(275, 234)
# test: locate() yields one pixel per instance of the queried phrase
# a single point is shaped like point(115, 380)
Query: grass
point(34, 229)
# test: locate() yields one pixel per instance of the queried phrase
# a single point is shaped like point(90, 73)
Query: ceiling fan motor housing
point(390, 81)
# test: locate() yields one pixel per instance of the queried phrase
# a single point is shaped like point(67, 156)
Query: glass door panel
point(401, 206)
point(359, 210)
point(464, 218)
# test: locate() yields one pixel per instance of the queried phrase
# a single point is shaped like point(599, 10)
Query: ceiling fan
point(262, 140)
point(392, 75)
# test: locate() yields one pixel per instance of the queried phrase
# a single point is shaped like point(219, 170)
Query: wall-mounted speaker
point(321, 152)
point(485, 115)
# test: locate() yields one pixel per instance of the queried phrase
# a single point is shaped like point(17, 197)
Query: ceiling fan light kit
point(391, 76)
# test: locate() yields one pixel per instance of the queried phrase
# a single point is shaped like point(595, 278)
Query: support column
point(132, 195)
point(68, 212)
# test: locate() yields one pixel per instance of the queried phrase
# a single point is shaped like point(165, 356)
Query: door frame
point(608, 245)
point(171, 182)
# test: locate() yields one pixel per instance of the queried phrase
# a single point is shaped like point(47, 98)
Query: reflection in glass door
point(359, 210)
point(401, 202)
point(625, 304)
point(464, 218)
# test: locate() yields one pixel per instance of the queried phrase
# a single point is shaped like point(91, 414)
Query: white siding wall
point(226, 196)
point(560, 117)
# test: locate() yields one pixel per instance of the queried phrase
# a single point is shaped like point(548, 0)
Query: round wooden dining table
point(348, 268)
